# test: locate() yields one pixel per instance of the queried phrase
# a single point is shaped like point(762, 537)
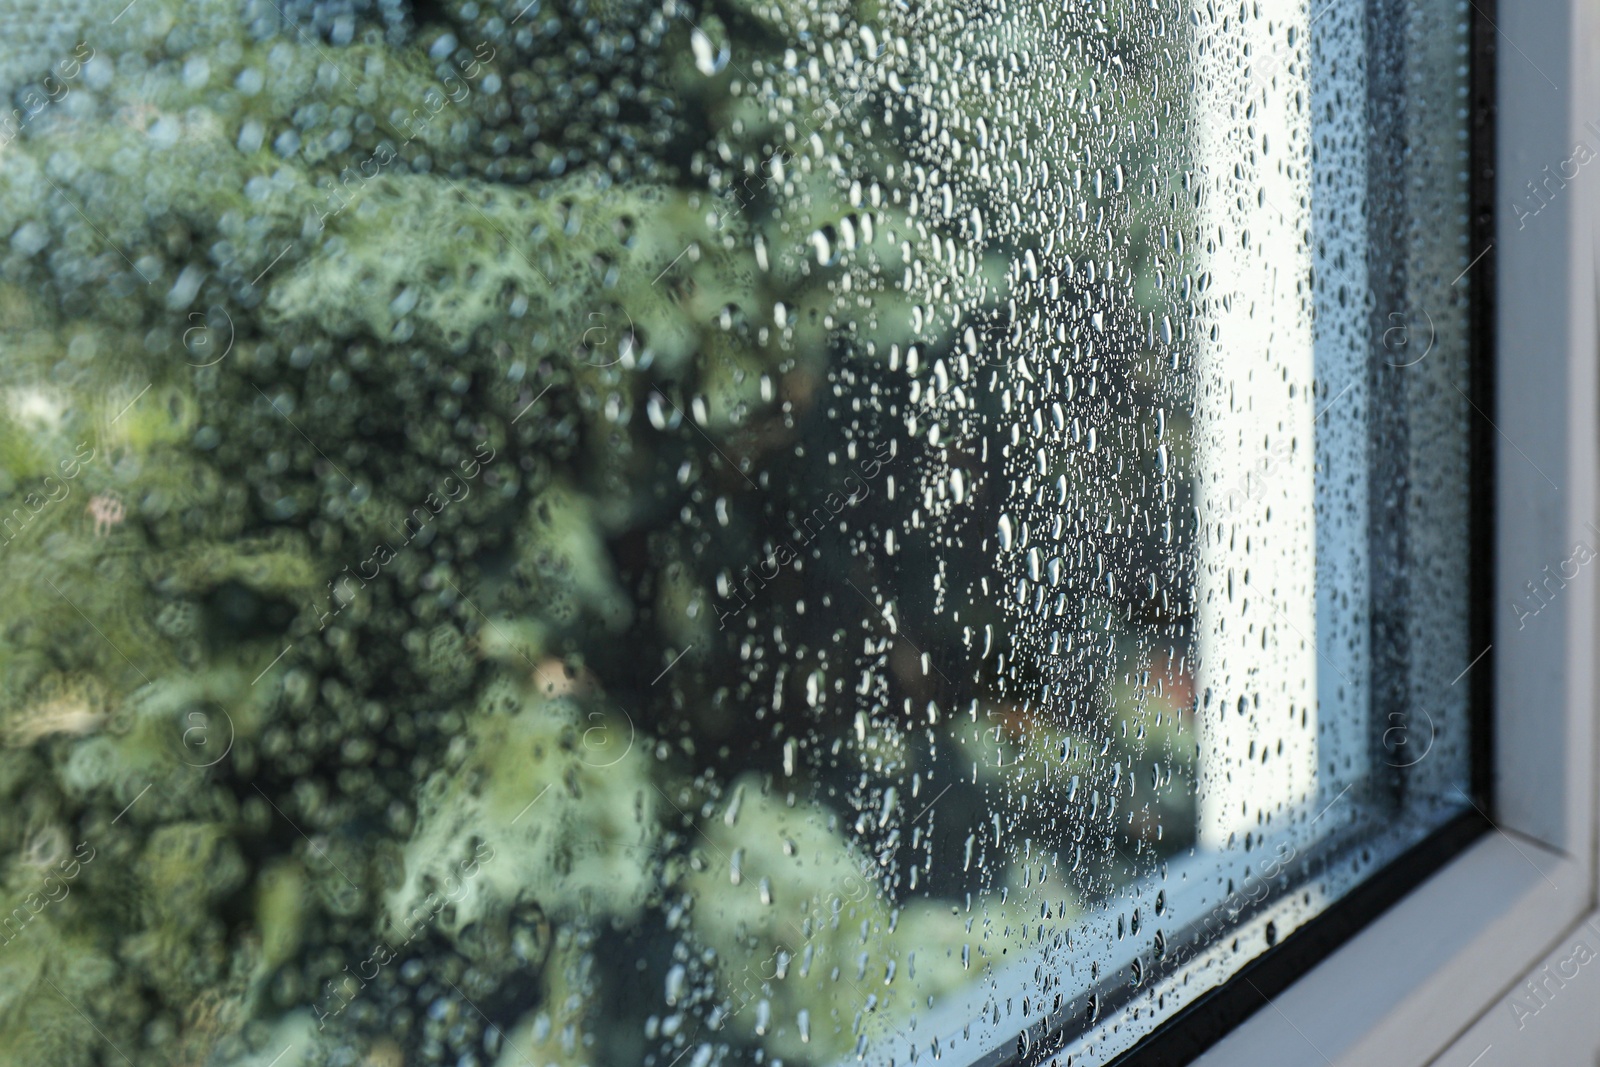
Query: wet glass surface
point(771, 531)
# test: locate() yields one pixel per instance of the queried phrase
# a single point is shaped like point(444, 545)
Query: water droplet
point(710, 57)
point(826, 243)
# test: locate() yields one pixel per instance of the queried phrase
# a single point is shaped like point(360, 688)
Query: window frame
point(1421, 963)
point(1428, 978)
point(1417, 964)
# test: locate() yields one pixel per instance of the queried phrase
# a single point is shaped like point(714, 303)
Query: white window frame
point(1433, 979)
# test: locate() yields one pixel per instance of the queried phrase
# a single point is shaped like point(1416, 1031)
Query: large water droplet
point(710, 56)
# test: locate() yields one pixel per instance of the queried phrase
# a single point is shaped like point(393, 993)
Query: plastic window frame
point(1450, 952)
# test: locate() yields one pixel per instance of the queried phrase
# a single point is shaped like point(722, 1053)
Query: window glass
point(770, 531)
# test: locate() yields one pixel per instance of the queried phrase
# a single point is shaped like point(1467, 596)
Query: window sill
point(1400, 990)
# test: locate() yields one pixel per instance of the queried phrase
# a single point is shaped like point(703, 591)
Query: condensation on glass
point(573, 532)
